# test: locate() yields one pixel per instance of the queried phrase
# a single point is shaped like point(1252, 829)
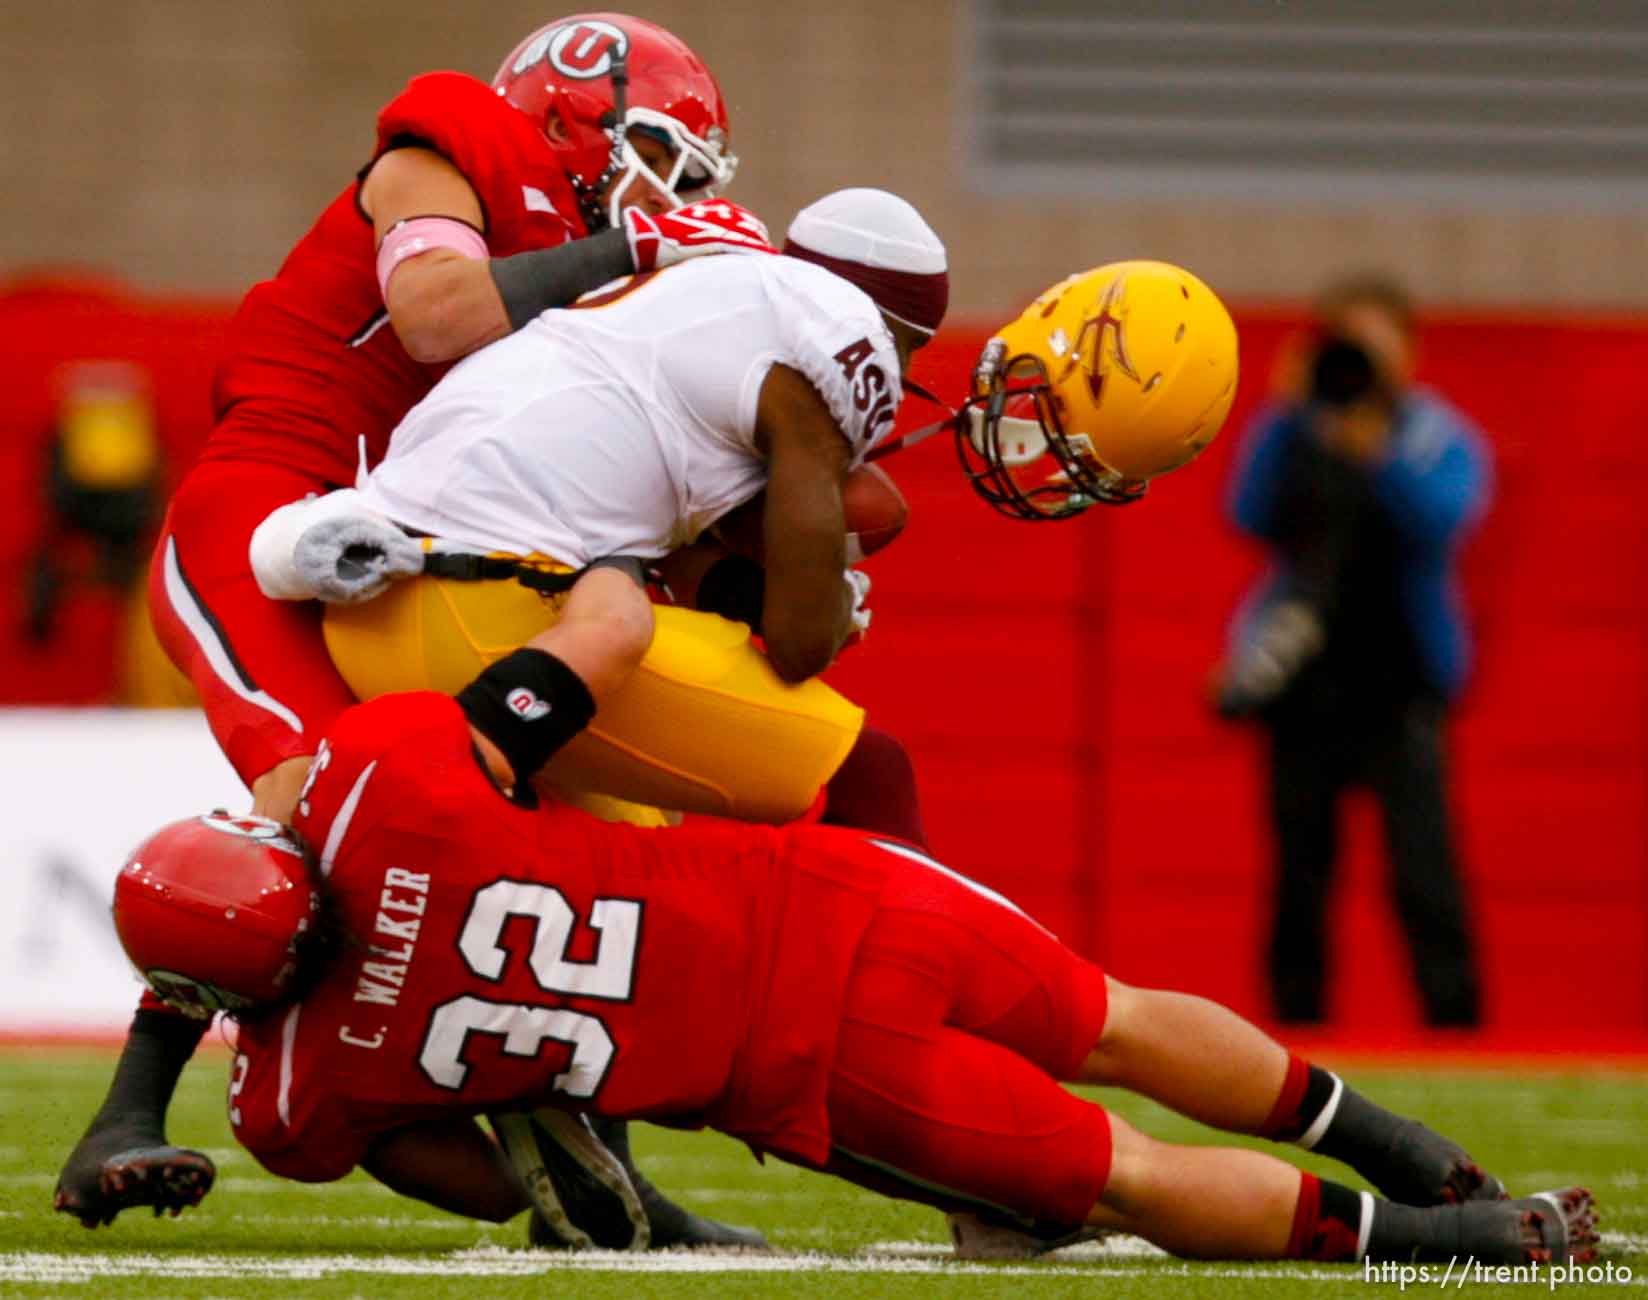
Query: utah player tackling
point(834, 998)
point(478, 207)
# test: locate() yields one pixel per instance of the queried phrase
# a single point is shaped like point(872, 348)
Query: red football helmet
point(590, 69)
point(210, 911)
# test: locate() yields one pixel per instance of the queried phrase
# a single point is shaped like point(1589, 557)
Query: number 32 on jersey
point(525, 1027)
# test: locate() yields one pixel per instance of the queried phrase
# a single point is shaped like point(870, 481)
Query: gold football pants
point(703, 725)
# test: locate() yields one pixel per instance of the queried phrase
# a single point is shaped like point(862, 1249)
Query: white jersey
point(625, 425)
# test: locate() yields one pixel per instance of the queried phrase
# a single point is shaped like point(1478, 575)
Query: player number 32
point(525, 1027)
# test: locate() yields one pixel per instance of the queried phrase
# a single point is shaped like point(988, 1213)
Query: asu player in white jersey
point(626, 426)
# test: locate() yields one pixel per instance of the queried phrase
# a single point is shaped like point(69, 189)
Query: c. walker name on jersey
point(383, 973)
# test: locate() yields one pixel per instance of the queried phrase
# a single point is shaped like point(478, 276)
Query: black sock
point(1411, 1232)
point(1340, 1123)
point(158, 1046)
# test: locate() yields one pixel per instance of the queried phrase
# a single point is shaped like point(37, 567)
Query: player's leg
point(1221, 1203)
point(123, 1159)
point(874, 789)
point(694, 728)
point(1203, 1060)
point(948, 1119)
point(960, 1013)
point(1008, 979)
point(265, 679)
point(268, 688)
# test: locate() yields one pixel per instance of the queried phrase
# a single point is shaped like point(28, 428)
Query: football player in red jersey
point(833, 997)
point(481, 206)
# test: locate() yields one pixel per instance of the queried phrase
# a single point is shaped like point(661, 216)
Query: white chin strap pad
point(1021, 441)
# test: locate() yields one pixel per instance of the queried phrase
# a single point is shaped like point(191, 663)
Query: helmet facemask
point(700, 166)
point(1015, 451)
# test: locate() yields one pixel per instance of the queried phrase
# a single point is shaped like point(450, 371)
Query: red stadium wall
point(1049, 678)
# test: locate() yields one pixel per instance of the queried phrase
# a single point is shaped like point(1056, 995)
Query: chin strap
point(595, 211)
point(926, 431)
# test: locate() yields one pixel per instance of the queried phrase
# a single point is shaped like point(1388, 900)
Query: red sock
point(1327, 1222)
point(1284, 1115)
point(1306, 1091)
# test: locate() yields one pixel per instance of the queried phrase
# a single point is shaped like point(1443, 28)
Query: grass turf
point(255, 1235)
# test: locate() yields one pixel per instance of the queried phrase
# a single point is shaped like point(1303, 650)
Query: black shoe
point(671, 1225)
point(1422, 1167)
point(1546, 1228)
point(119, 1168)
point(582, 1197)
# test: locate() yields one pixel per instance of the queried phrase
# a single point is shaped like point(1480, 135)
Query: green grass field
point(257, 1236)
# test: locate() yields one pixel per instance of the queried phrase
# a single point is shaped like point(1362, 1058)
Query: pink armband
point(419, 235)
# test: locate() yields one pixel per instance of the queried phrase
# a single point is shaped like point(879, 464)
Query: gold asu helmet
point(1111, 377)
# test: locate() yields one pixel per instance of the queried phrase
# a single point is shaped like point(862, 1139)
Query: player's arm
point(450, 1164)
point(605, 627)
point(442, 302)
point(446, 296)
point(807, 609)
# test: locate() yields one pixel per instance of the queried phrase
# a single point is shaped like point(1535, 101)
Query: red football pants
point(261, 667)
point(961, 1015)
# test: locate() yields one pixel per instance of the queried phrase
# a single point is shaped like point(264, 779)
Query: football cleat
point(171, 1179)
point(671, 1226)
point(1547, 1228)
point(676, 1228)
point(582, 1197)
point(1421, 1167)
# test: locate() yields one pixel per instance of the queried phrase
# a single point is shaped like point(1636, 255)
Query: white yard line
point(491, 1261)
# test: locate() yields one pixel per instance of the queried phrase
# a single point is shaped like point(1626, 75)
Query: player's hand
point(350, 558)
point(858, 592)
point(708, 226)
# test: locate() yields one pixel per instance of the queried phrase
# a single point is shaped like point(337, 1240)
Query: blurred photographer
point(1352, 647)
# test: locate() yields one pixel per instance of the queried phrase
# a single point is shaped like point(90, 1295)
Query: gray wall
point(187, 144)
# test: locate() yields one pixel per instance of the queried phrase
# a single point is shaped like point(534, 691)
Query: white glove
point(859, 581)
point(330, 548)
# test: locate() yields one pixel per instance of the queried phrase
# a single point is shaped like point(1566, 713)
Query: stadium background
point(162, 155)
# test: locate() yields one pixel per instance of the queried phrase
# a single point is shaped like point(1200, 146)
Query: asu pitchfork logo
point(1108, 321)
point(583, 50)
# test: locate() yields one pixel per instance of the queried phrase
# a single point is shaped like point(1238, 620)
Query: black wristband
point(533, 282)
point(734, 587)
point(633, 565)
point(528, 704)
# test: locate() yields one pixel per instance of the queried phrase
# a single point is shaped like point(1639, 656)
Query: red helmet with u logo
point(569, 77)
point(211, 910)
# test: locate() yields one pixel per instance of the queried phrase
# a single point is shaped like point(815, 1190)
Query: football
point(875, 510)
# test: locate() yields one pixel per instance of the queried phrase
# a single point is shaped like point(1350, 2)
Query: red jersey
point(500, 957)
point(313, 364)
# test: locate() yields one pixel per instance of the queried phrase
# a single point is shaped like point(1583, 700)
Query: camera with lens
point(1343, 373)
